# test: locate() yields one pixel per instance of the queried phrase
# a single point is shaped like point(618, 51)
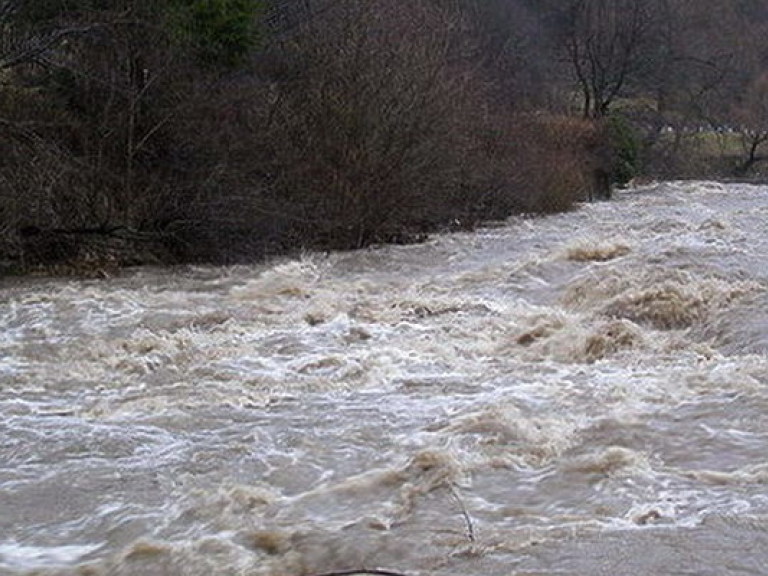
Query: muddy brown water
point(580, 394)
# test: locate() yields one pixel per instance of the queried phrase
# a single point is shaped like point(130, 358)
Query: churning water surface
point(579, 394)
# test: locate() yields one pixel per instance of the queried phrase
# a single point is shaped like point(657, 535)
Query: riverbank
point(104, 254)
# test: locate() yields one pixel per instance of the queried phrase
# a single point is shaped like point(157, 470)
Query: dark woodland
point(223, 131)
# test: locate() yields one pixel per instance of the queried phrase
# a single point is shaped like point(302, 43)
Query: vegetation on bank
point(135, 132)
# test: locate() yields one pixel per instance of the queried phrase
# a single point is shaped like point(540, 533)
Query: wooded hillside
point(134, 131)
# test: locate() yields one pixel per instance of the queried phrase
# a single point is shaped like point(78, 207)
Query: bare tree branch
point(374, 572)
point(34, 46)
point(467, 518)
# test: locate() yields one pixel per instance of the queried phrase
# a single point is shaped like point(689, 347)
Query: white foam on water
point(531, 384)
point(14, 556)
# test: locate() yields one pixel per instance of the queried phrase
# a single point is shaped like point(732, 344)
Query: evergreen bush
point(625, 145)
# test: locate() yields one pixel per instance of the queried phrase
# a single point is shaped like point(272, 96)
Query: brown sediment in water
point(146, 550)
point(270, 542)
point(675, 306)
point(613, 460)
point(610, 338)
point(664, 308)
point(594, 252)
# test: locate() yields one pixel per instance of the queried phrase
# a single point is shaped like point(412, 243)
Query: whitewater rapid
point(585, 393)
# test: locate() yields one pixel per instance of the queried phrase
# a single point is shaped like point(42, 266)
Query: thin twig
point(361, 571)
point(467, 517)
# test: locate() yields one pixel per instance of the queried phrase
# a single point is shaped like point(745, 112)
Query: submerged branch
point(467, 518)
point(375, 572)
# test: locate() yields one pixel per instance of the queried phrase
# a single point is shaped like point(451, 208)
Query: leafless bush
point(541, 163)
point(370, 137)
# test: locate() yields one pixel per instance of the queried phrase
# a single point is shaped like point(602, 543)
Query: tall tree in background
point(751, 116)
point(607, 44)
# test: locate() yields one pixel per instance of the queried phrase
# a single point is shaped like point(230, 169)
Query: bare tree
point(25, 42)
point(370, 136)
point(751, 115)
point(606, 44)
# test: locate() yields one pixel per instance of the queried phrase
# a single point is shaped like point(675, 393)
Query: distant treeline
point(135, 131)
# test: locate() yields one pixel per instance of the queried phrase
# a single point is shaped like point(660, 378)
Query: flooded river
point(579, 394)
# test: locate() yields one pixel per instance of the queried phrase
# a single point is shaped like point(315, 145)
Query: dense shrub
point(371, 135)
point(625, 145)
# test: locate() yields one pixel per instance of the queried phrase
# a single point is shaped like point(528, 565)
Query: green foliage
point(625, 145)
point(221, 32)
